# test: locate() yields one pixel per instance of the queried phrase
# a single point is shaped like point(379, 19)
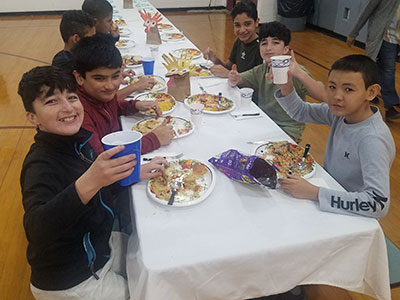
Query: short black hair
point(275, 30)
point(247, 7)
point(358, 63)
point(33, 84)
point(75, 22)
point(99, 9)
point(94, 52)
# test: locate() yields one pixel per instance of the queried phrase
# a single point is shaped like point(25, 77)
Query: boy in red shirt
point(97, 71)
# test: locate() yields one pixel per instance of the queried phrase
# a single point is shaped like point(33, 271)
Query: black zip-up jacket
point(68, 241)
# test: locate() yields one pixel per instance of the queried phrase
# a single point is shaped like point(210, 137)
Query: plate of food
point(160, 83)
point(189, 52)
point(165, 101)
point(124, 31)
point(132, 61)
point(164, 27)
point(213, 104)
point(119, 22)
point(181, 126)
point(200, 72)
point(286, 156)
point(172, 37)
point(198, 181)
point(125, 44)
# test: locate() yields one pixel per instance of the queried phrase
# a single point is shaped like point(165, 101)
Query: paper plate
point(124, 31)
point(172, 37)
point(190, 52)
point(125, 44)
point(160, 84)
point(166, 102)
point(165, 27)
point(204, 182)
point(288, 153)
point(132, 61)
point(181, 126)
point(210, 103)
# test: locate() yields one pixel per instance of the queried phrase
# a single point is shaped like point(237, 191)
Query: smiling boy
point(97, 71)
point(69, 195)
point(360, 147)
point(245, 51)
point(274, 40)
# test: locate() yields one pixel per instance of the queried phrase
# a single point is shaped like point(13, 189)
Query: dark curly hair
point(275, 30)
point(34, 83)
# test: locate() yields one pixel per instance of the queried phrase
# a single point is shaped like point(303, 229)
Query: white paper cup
point(280, 68)
point(154, 51)
point(196, 114)
point(246, 94)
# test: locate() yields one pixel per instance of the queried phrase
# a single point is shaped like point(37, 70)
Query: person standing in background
point(382, 45)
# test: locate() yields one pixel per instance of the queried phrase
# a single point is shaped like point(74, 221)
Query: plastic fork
point(302, 165)
point(176, 185)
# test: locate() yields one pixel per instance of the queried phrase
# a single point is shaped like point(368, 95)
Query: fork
point(202, 89)
point(302, 165)
point(170, 157)
point(219, 99)
point(246, 115)
point(257, 142)
point(176, 185)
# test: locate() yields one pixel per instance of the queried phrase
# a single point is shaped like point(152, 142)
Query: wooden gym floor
point(27, 42)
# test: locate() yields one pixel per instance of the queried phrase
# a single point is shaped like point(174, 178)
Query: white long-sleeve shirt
point(358, 156)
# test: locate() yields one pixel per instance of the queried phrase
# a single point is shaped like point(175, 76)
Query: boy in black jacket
point(67, 195)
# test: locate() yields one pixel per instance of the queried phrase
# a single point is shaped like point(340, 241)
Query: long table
point(243, 241)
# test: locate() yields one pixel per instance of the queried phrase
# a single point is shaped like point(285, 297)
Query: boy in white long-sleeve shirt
point(360, 148)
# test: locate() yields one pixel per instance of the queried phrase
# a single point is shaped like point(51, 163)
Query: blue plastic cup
point(148, 65)
point(133, 145)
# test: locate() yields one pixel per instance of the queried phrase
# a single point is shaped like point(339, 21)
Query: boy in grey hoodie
point(360, 147)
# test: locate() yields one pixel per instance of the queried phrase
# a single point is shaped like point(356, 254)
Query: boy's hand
point(299, 188)
point(234, 77)
point(164, 133)
point(146, 105)
point(114, 30)
point(286, 88)
point(153, 169)
point(350, 41)
point(103, 172)
point(210, 55)
point(219, 70)
point(126, 73)
point(144, 83)
point(294, 66)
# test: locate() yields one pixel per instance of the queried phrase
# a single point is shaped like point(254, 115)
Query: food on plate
point(173, 36)
point(119, 22)
point(132, 60)
point(188, 52)
point(180, 126)
point(285, 156)
point(165, 101)
point(162, 26)
point(159, 83)
point(211, 102)
point(191, 172)
point(123, 43)
point(200, 72)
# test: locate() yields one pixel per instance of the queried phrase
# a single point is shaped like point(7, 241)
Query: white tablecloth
point(243, 241)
